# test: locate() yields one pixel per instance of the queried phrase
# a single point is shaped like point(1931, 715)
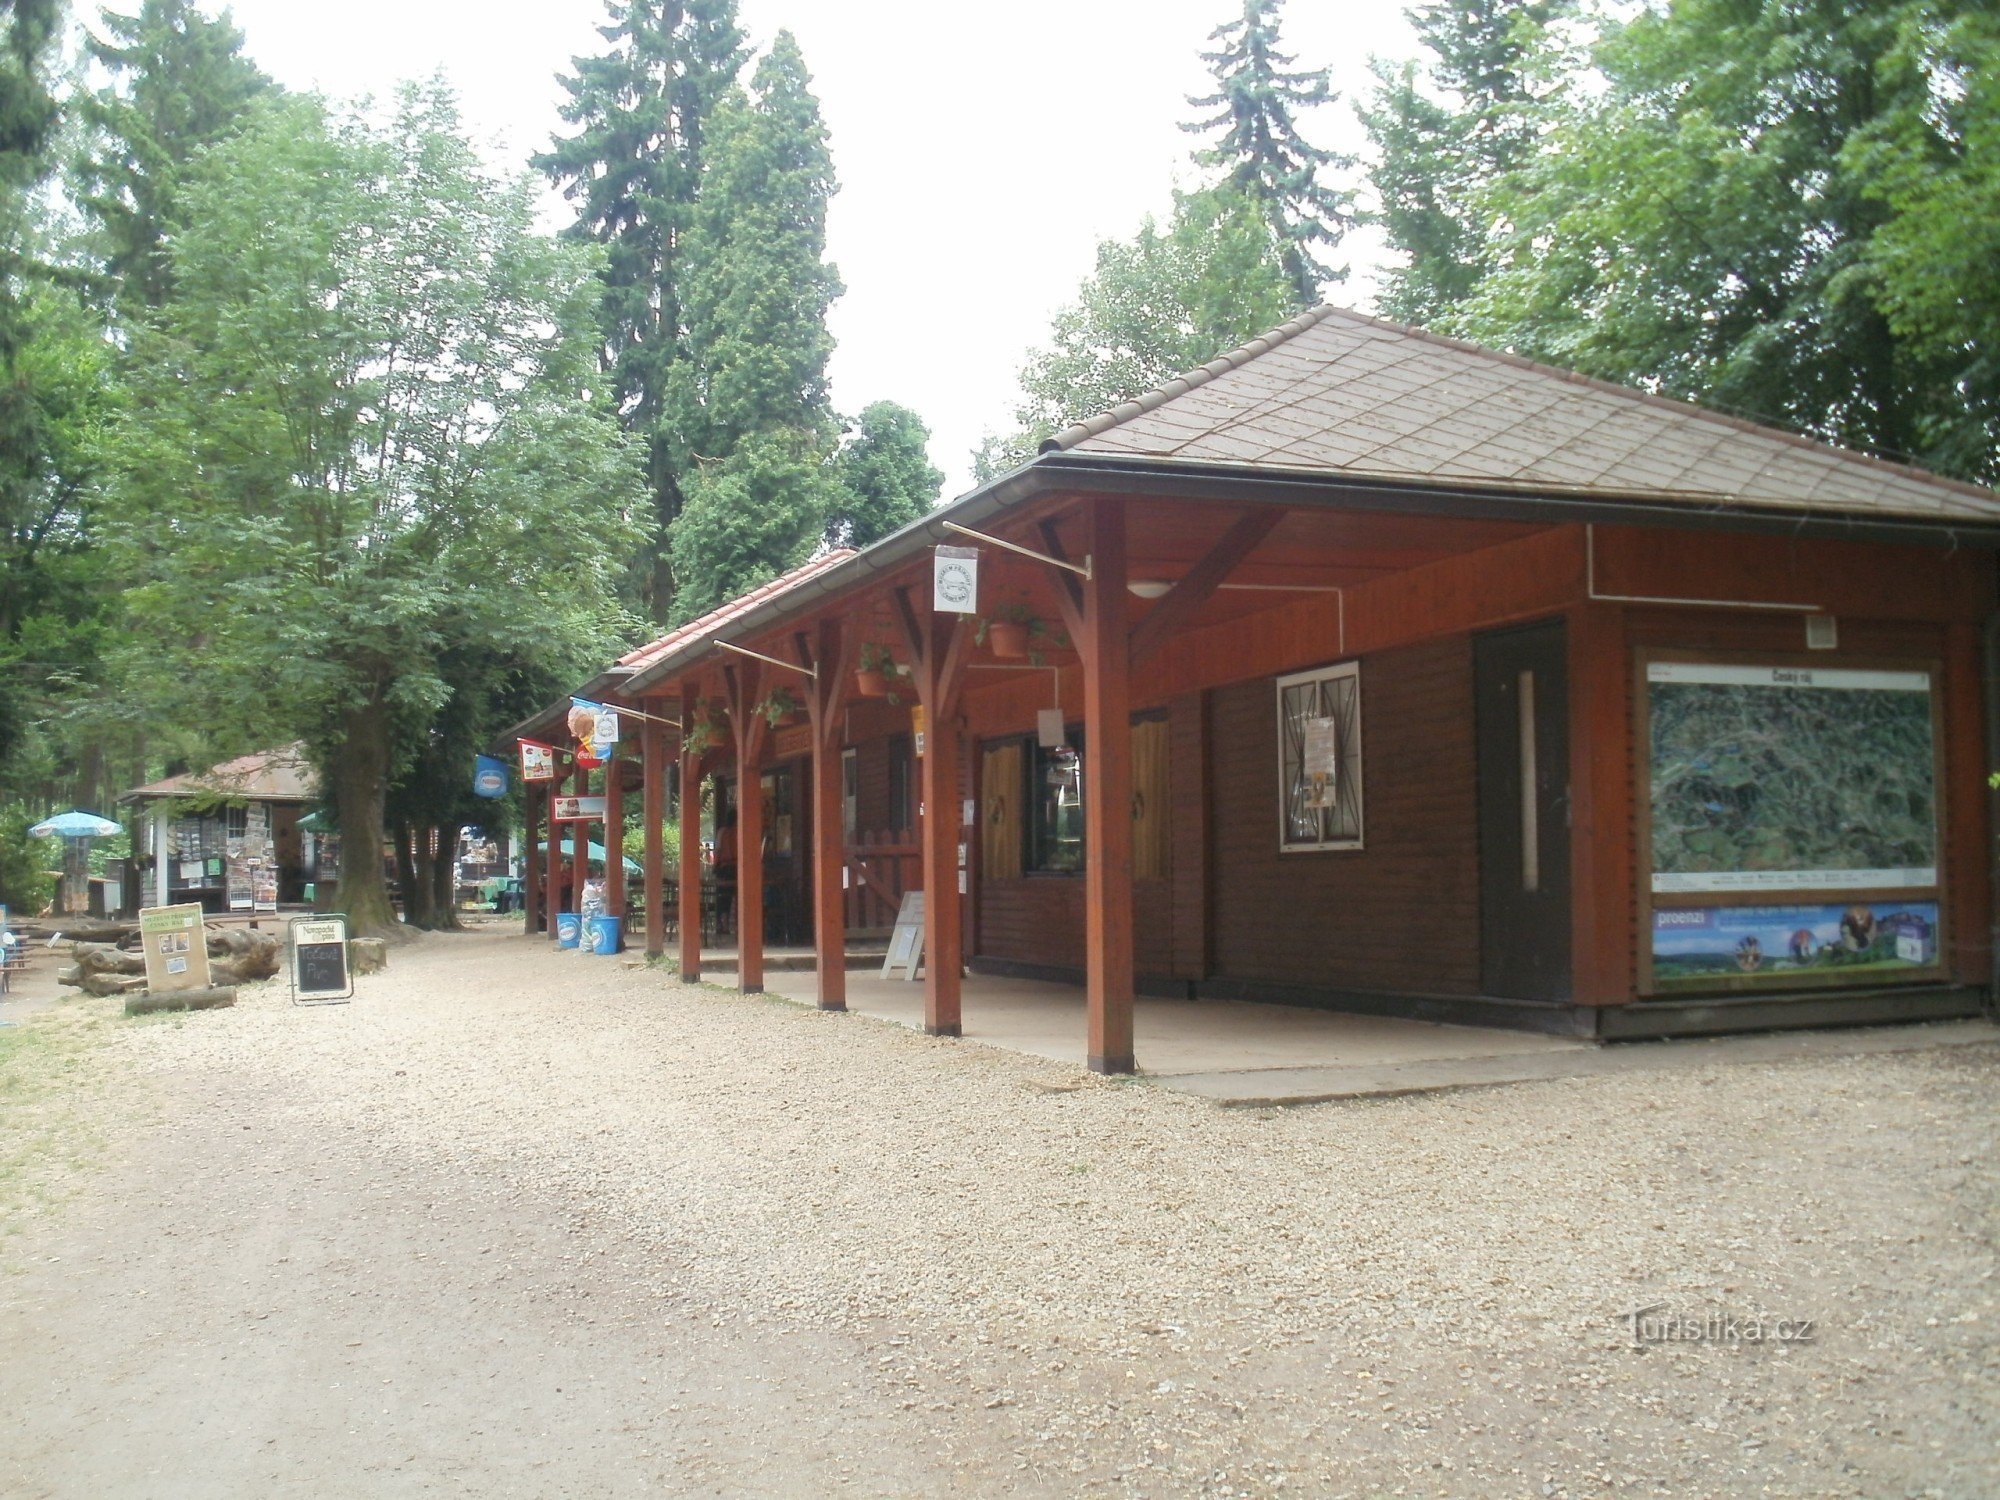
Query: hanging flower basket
point(1008, 638)
point(871, 685)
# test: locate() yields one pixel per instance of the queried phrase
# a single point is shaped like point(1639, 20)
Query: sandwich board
point(176, 948)
point(906, 943)
point(318, 960)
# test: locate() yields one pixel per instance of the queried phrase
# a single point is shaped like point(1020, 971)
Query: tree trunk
point(412, 883)
point(359, 775)
point(444, 878)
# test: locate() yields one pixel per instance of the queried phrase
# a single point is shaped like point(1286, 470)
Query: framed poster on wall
point(1790, 824)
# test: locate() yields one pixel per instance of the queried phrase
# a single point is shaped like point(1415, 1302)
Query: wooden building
point(1370, 670)
point(231, 837)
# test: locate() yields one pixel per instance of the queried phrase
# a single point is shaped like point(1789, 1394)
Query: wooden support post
point(1968, 845)
point(552, 861)
point(830, 656)
point(690, 863)
point(1107, 795)
point(938, 645)
point(653, 807)
point(614, 836)
point(579, 847)
point(745, 682)
point(534, 813)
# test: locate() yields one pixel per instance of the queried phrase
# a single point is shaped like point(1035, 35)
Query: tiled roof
point(282, 775)
point(644, 656)
point(1333, 392)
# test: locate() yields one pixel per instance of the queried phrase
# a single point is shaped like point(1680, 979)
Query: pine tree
point(1257, 97)
point(751, 414)
point(1449, 129)
point(633, 171)
point(886, 474)
point(179, 83)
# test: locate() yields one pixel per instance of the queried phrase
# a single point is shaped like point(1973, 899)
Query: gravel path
point(527, 1223)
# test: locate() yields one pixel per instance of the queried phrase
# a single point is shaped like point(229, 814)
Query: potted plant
point(1012, 631)
point(704, 731)
point(780, 706)
point(871, 679)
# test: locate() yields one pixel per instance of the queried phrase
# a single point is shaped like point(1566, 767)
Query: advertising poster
point(577, 809)
point(1749, 946)
point(1785, 778)
point(538, 761)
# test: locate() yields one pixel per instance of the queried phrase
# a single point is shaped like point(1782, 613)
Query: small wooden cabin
point(1370, 670)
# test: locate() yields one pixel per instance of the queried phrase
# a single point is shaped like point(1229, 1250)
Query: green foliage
point(750, 406)
point(180, 83)
point(750, 517)
point(633, 169)
point(886, 476)
point(360, 436)
point(1742, 214)
point(1157, 306)
point(1445, 129)
point(1931, 160)
point(1257, 97)
point(27, 878)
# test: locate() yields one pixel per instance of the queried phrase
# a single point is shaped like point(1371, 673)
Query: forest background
point(308, 433)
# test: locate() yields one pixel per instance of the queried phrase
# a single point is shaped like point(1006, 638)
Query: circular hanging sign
point(955, 581)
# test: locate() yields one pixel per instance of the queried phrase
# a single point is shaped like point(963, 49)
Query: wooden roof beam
point(1199, 583)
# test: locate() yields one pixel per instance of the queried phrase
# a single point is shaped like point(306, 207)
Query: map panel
point(1790, 778)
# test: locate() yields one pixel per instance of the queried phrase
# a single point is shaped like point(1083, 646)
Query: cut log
point(112, 984)
point(95, 958)
point(209, 999)
point(246, 954)
point(367, 955)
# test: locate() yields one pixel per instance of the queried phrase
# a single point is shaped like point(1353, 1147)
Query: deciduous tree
point(360, 435)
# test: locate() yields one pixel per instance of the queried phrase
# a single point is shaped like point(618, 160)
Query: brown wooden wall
point(1400, 914)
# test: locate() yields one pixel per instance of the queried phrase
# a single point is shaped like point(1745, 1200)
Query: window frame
point(1350, 763)
point(1033, 765)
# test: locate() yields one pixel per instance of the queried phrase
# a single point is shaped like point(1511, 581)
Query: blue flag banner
point(489, 777)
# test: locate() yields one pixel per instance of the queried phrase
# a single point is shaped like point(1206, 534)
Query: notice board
point(176, 946)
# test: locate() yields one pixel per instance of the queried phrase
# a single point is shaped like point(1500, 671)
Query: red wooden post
point(614, 835)
point(653, 804)
point(552, 862)
point(690, 863)
point(745, 680)
point(534, 804)
point(938, 644)
point(1107, 794)
point(828, 693)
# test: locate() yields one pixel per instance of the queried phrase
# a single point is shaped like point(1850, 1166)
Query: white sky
point(982, 151)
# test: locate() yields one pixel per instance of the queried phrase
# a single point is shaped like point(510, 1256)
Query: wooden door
point(1521, 686)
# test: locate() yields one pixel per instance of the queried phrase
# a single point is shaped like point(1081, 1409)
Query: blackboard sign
point(319, 961)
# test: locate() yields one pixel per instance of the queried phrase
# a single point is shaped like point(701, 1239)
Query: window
point(1319, 758)
point(1055, 797)
point(902, 808)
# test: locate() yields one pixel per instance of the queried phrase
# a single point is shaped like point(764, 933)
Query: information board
point(319, 961)
point(906, 943)
point(176, 947)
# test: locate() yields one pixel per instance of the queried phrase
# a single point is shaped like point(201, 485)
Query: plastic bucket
point(569, 929)
point(607, 935)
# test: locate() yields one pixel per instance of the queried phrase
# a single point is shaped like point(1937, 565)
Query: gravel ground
point(792, 1253)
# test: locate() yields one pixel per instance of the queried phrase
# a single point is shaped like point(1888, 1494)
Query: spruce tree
point(633, 171)
point(1258, 94)
point(179, 83)
point(750, 411)
point(1447, 130)
point(886, 474)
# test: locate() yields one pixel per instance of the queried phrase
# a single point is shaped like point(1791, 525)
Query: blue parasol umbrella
point(75, 825)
